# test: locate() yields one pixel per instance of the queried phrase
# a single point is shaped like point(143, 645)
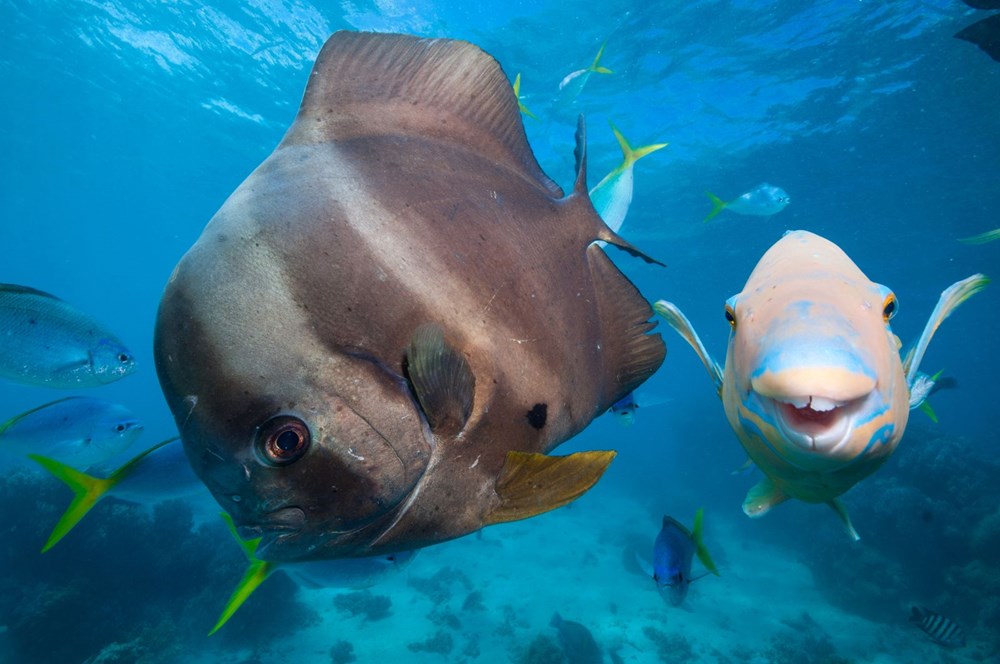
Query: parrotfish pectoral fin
point(762, 497)
point(845, 518)
point(256, 574)
point(531, 484)
point(88, 489)
point(982, 238)
point(677, 320)
point(717, 206)
point(696, 536)
point(952, 296)
point(441, 379)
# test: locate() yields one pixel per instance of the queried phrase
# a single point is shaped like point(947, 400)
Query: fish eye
point(731, 316)
point(889, 307)
point(119, 428)
point(123, 357)
point(283, 440)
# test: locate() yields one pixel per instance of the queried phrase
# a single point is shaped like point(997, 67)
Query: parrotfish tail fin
point(88, 489)
point(682, 325)
point(717, 206)
point(256, 574)
point(982, 238)
point(596, 64)
point(952, 296)
point(531, 484)
point(696, 536)
point(17, 418)
point(603, 232)
point(517, 93)
point(762, 497)
point(630, 154)
point(845, 518)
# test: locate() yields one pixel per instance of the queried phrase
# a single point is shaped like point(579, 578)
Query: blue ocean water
point(124, 127)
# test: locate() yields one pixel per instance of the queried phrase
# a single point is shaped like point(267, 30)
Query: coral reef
point(441, 643)
point(439, 587)
point(669, 647)
point(342, 652)
point(364, 603)
point(542, 650)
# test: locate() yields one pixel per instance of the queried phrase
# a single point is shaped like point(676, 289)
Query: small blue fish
point(340, 573)
point(941, 630)
point(673, 552)
point(49, 343)
point(159, 473)
point(761, 201)
point(613, 194)
point(79, 431)
point(624, 409)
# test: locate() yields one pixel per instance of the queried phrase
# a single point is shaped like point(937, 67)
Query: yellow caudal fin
point(696, 536)
point(256, 574)
point(631, 154)
point(88, 489)
point(517, 94)
point(718, 205)
point(596, 64)
point(952, 296)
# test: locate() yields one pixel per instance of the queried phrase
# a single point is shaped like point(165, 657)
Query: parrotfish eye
point(283, 440)
point(889, 307)
point(731, 316)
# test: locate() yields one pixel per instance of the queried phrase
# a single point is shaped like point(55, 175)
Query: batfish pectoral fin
point(845, 518)
point(677, 320)
point(530, 484)
point(441, 379)
point(631, 354)
point(762, 497)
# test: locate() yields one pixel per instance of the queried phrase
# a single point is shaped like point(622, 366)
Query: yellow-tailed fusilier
point(814, 384)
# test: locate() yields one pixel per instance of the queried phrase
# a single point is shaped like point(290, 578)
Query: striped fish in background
point(941, 630)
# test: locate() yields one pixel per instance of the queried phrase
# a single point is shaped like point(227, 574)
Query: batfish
point(385, 328)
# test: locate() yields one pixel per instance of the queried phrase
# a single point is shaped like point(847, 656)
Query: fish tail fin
point(88, 489)
point(255, 574)
point(631, 154)
point(596, 64)
point(717, 206)
point(697, 532)
point(950, 299)
point(517, 93)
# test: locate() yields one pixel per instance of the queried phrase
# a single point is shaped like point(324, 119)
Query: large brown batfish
point(383, 330)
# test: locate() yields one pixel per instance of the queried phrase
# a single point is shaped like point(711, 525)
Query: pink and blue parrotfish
point(814, 385)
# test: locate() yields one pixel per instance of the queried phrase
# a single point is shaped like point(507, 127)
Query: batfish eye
point(731, 316)
point(283, 440)
point(889, 307)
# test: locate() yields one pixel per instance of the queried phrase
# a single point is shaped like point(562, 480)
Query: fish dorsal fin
point(372, 84)
point(441, 379)
point(530, 484)
point(761, 497)
point(631, 354)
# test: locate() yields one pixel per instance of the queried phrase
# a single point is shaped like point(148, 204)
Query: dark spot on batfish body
point(538, 414)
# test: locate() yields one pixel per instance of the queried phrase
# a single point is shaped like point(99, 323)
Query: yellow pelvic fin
point(718, 205)
point(845, 518)
point(762, 497)
point(696, 536)
point(530, 484)
point(256, 574)
point(630, 154)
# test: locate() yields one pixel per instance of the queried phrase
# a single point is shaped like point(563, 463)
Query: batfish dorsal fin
point(441, 379)
point(366, 84)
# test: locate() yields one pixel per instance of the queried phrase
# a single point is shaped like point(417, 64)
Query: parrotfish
point(613, 194)
point(574, 81)
point(161, 472)
point(520, 104)
point(761, 201)
point(814, 385)
point(387, 326)
point(79, 431)
point(673, 554)
point(339, 573)
point(50, 343)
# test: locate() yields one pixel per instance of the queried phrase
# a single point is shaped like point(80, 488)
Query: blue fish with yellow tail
point(159, 473)
point(814, 385)
point(673, 554)
point(761, 201)
point(613, 194)
point(341, 573)
point(574, 81)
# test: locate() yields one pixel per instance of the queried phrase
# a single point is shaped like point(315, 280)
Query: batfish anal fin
point(676, 319)
point(368, 84)
point(530, 484)
point(762, 497)
point(441, 379)
point(631, 355)
point(837, 506)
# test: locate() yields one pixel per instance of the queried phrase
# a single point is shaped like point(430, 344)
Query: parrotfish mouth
point(815, 423)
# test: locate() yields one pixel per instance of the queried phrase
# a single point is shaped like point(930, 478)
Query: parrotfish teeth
point(823, 405)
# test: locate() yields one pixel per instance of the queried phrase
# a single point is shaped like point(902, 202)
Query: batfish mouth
point(274, 525)
point(815, 423)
